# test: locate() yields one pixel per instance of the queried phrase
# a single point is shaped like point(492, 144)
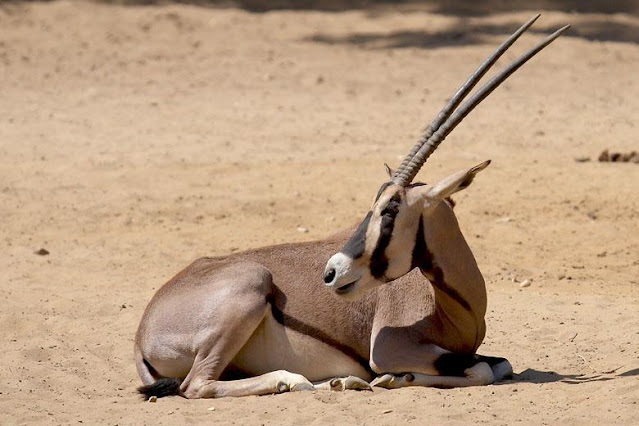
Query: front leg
point(478, 375)
point(409, 364)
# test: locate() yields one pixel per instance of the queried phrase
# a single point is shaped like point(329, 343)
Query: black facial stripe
point(379, 261)
point(355, 246)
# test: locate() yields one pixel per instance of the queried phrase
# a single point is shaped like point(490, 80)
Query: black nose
point(329, 275)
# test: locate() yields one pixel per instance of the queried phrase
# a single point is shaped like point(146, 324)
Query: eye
point(391, 209)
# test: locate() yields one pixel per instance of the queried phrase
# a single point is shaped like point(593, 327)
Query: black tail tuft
point(162, 387)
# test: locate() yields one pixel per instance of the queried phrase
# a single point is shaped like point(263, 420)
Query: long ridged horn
point(463, 92)
point(405, 176)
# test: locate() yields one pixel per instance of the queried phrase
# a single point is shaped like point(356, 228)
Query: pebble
point(42, 252)
point(525, 283)
point(211, 408)
point(302, 229)
point(153, 398)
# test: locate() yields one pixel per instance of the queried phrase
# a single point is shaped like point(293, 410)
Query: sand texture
point(135, 139)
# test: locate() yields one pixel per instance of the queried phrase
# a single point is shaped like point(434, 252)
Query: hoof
point(352, 382)
point(390, 381)
point(385, 381)
point(303, 386)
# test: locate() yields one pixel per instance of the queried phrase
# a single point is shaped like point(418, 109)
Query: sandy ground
point(136, 139)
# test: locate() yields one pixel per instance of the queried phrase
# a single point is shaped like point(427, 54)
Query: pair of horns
point(450, 116)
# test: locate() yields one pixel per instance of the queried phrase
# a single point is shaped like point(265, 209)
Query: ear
point(453, 183)
point(389, 171)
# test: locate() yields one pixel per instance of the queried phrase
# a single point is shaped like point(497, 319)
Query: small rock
point(387, 411)
point(211, 408)
point(503, 220)
point(42, 252)
point(604, 156)
point(582, 159)
point(525, 283)
point(153, 398)
point(302, 229)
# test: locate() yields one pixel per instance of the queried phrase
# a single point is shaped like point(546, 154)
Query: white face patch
point(342, 265)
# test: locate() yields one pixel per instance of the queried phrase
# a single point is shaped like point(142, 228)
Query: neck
point(444, 257)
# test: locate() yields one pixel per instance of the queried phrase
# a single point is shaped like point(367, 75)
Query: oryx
point(261, 322)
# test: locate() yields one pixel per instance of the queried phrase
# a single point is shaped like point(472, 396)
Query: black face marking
point(379, 261)
point(308, 330)
point(355, 246)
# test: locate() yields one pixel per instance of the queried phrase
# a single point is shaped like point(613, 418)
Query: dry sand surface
point(134, 139)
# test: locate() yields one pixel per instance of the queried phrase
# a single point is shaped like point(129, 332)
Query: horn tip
point(481, 166)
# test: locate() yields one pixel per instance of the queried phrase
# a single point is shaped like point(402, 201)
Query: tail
point(162, 387)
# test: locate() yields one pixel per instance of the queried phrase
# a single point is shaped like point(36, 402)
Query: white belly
point(276, 347)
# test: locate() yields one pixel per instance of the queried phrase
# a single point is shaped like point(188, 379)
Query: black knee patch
point(455, 364)
point(162, 387)
point(491, 360)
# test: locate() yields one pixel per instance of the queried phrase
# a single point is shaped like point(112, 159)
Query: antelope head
point(385, 245)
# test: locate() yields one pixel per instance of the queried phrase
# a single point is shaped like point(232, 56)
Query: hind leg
point(202, 381)
point(273, 382)
point(237, 309)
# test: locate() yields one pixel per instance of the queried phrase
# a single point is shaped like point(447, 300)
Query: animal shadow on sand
point(530, 375)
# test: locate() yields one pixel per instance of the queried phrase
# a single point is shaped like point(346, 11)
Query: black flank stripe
point(308, 330)
point(355, 246)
